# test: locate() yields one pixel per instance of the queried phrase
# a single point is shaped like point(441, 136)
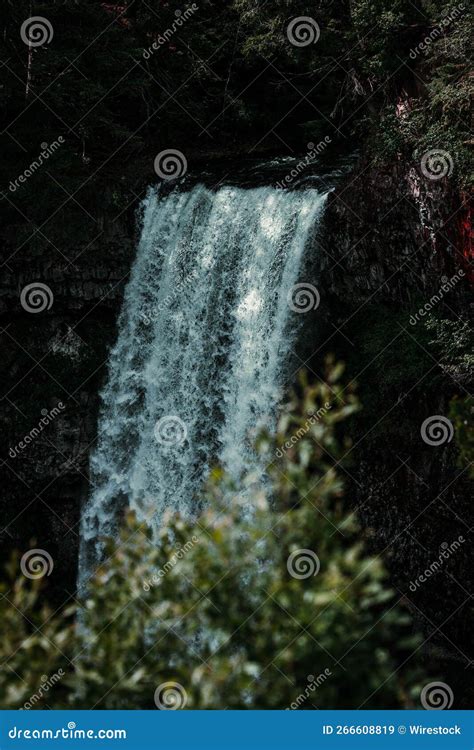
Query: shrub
point(267, 599)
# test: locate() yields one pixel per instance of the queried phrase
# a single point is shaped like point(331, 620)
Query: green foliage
point(379, 350)
point(453, 344)
point(438, 112)
point(402, 357)
point(34, 641)
point(226, 81)
point(380, 33)
point(221, 605)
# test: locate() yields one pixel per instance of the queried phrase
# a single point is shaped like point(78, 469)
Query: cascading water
point(204, 340)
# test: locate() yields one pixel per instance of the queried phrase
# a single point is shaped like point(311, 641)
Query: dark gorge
point(170, 175)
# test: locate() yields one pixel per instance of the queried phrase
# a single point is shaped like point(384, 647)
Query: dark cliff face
point(391, 230)
point(55, 361)
point(391, 240)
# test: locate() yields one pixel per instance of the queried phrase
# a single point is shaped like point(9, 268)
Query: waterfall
point(203, 349)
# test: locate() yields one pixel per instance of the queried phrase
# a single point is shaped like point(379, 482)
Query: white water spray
point(204, 341)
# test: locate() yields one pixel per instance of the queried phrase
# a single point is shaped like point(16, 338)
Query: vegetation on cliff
point(120, 82)
point(280, 607)
point(83, 117)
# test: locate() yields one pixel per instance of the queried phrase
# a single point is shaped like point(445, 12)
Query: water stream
point(203, 349)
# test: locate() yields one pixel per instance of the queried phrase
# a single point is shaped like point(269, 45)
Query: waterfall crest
point(204, 340)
